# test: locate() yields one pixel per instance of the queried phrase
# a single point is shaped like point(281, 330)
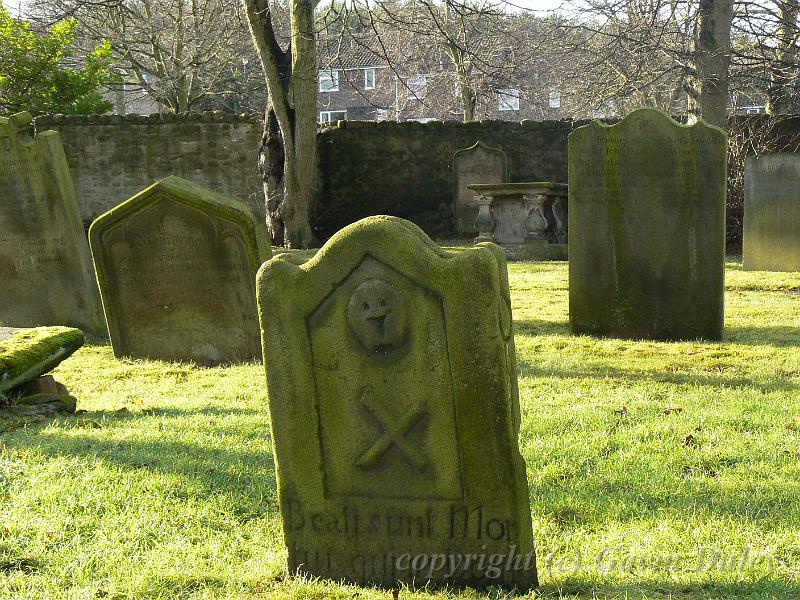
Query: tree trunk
point(300, 168)
point(707, 86)
point(288, 152)
point(783, 70)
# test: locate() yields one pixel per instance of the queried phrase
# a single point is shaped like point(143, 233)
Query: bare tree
point(287, 157)
point(180, 52)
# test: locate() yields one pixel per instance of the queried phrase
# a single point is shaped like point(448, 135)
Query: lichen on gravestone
point(25, 354)
point(45, 265)
point(647, 228)
point(176, 264)
point(394, 411)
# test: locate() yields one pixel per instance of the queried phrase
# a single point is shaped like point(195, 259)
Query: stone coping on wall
point(524, 124)
point(216, 116)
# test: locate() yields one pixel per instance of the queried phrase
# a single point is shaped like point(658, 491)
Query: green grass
point(164, 487)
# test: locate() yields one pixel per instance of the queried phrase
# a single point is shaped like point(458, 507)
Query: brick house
point(357, 82)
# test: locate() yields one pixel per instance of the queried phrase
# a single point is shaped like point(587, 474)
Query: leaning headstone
point(647, 228)
point(46, 275)
point(176, 265)
point(772, 213)
point(395, 413)
point(477, 164)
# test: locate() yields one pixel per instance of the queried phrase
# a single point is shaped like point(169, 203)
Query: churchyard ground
point(655, 470)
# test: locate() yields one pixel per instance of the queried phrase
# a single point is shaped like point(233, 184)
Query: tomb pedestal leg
point(484, 223)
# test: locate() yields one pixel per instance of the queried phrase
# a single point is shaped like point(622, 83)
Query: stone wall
point(405, 169)
point(366, 168)
point(112, 157)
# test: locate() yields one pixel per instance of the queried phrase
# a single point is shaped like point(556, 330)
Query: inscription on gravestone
point(393, 362)
point(647, 228)
point(45, 267)
point(477, 164)
point(176, 265)
point(772, 213)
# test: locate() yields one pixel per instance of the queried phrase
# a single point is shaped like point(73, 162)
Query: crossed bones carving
point(394, 433)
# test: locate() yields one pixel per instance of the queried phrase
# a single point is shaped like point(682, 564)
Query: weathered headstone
point(772, 213)
point(46, 275)
point(477, 164)
point(395, 413)
point(176, 266)
point(647, 228)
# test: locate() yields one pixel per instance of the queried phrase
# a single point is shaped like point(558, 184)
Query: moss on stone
point(30, 353)
point(207, 302)
point(440, 354)
point(647, 228)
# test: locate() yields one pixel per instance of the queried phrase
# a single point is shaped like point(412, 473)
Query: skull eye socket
point(365, 306)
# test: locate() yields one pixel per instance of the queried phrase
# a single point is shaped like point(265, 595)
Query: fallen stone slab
point(25, 354)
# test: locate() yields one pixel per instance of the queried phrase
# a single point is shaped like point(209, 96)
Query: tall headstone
point(395, 413)
point(176, 265)
point(772, 213)
point(46, 275)
point(647, 228)
point(477, 164)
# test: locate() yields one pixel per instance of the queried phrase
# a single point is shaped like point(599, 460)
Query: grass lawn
point(643, 460)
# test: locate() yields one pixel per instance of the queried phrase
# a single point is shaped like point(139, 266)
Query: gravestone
point(477, 164)
point(772, 213)
point(647, 228)
point(46, 272)
point(395, 413)
point(176, 265)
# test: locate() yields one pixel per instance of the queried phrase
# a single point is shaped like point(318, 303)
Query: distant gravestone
point(176, 266)
point(477, 164)
point(395, 413)
point(46, 275)
point(772, 213)
point(647, 228)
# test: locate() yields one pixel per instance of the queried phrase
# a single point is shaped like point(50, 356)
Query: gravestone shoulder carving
point(45, 264)
point(477, 164)
point(647, 228)
point(772, 213)
point(394, 409)
point(176, 266)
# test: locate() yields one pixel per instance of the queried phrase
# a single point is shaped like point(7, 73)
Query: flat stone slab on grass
point(176, 266)
point(25, 354)
point(647, 228)
point(394, 410)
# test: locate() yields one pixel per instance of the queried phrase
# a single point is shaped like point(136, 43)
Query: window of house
point(329, 81)
point(369, 78)
point(508, 99)
point(554, 100)
point(417, 86)
point(331, 116)
point(381, 114)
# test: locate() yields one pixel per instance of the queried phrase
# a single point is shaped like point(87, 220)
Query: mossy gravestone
point(647, 228)
point(176, 266)
point(46, 275)
point(772, 213)
point(395, 411)
point(477, 164)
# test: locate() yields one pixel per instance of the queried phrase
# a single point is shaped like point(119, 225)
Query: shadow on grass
point(763, 336)
point(780, 337)
point(667, 588)
point(243, 474)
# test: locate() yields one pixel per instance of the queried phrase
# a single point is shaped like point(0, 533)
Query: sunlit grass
point(640, 456)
